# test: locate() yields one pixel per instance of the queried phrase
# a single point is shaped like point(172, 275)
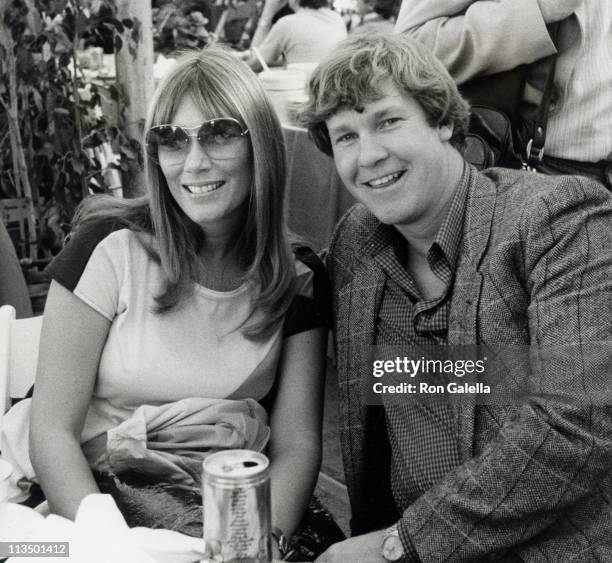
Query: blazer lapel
point(463, 320)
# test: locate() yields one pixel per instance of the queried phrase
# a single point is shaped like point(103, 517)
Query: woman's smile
point(199, 189)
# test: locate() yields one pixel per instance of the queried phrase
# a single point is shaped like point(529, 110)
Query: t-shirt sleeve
point(91, 266)
point(311, 306)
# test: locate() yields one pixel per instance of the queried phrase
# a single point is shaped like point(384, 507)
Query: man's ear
point(445, 132)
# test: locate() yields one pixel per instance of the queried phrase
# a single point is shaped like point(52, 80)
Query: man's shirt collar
point(447, 241)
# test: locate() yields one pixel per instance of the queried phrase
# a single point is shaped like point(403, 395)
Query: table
point(316, 197)
point(99, 534)
point(19, 524)
point(20, 521)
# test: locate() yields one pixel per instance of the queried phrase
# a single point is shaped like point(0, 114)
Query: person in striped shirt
point(474, 38)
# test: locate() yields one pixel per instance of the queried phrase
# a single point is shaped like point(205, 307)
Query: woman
point(189, 292)
point(307, 36)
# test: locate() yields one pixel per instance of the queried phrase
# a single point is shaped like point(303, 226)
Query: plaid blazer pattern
point(535, 481)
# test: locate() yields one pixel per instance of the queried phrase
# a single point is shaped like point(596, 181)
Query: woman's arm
point(72, 339)
point(295, 444)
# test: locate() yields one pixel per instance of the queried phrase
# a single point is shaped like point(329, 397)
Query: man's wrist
point(392, 548)
point(411, 555)
point(396, 543)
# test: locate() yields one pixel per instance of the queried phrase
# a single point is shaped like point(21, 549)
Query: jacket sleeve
point(480, 37)
point(545, 473)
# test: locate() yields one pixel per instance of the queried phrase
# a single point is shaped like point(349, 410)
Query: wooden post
point(134, 68)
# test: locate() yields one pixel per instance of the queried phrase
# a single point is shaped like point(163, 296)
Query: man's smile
point(384, 181)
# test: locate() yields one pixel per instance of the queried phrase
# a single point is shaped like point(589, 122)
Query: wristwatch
point(281, 541)
point(392, 548)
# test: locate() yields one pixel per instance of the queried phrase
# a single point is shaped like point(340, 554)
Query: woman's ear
point(445, 132)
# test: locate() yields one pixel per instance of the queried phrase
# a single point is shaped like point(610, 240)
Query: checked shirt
point(422, 434)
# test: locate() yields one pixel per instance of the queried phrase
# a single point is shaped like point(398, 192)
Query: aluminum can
point(236, 491)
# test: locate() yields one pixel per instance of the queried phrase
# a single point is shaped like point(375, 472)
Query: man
point(437, 253)
point(476, 37)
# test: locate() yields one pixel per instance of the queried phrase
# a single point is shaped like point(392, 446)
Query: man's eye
point(343, 139)
point(388, 122)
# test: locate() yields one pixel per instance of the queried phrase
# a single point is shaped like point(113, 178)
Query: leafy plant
point(184, 27)
point(51, 114)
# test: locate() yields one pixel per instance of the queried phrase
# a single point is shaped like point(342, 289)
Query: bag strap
point(534, 151)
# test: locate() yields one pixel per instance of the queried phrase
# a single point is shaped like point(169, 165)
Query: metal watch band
point(281, 540)
point(392, 548)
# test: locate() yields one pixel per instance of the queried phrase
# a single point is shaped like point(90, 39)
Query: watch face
point(392, 549)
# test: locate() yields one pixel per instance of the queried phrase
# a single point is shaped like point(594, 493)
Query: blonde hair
point(220, 85)
point(353, 73)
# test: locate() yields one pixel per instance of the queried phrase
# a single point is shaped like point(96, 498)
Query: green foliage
point(58, 113)
point(185, 27)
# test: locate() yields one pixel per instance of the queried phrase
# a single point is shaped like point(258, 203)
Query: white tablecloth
point(99, 534)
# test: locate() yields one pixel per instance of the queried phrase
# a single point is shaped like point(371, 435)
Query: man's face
point(394, 162)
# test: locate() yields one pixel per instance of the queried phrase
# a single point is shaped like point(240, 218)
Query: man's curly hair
point(353, 74)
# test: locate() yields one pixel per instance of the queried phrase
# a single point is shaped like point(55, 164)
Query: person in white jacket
point(477, 37)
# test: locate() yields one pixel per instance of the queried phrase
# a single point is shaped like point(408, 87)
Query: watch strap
point(392, 547)
point(281, 540)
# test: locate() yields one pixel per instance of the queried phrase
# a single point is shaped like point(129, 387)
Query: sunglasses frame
point(186, 130)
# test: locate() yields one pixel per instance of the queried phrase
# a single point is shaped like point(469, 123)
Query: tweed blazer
point(535, 479)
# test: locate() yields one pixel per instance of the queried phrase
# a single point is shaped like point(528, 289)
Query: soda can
point(236, 491)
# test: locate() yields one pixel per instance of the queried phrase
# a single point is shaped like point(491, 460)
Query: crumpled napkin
point(168, 442)
point(99, 534)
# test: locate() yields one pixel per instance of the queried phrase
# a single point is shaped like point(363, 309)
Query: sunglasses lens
point(218, 137)
point(220, 131)
point(167, 137)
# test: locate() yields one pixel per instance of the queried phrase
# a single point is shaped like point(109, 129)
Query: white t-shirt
point(304, 37)
point(194, 350)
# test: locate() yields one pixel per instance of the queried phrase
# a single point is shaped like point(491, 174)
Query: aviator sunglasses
point(218, 137)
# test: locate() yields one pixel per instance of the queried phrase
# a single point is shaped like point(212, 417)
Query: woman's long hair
point(221, 86)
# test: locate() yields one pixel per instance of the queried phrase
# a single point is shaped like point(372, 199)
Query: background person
point(375, 17)
point(306, 36)
point(438, 254)
point(191, 293)
point(475, 37)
